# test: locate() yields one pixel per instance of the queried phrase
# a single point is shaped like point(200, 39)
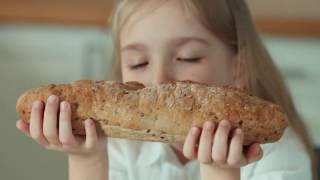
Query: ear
point(240, 73)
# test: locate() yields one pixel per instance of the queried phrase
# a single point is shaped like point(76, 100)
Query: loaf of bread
point(163, 113)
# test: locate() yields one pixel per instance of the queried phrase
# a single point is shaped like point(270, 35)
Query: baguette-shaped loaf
point(163, 113)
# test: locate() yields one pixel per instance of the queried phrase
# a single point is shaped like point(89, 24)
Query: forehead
point(156, 18)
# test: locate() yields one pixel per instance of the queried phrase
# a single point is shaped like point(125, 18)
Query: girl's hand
point(220, 147)
point(43, 129)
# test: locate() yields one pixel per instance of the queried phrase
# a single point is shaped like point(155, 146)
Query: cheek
point(128, 75)
point(221, 68)
point(124, 73)
point(209, 72)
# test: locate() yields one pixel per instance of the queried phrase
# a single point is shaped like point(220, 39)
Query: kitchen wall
point(36, 55)
point(32, 55)
point(299, 62)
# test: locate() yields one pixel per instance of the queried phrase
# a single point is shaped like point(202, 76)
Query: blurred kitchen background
point(43, 41)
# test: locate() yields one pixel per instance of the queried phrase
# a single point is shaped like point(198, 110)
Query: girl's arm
point(207, 172)
point(88, 167)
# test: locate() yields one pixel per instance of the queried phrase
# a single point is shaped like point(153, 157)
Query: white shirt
point(141, 160)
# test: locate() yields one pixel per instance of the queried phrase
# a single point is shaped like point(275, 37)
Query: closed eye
point(190, 60)
point(141, 65)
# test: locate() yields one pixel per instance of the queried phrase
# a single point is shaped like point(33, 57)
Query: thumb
point(254, 153)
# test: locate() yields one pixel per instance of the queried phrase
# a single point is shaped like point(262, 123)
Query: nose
point(161, 73)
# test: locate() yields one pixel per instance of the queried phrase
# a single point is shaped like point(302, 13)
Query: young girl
point(209, 41)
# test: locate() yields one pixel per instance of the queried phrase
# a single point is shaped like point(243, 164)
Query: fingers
point(220, 145)
point(235, 156)
point(189, 147)
point(23, 126)
point(205, 146)
point(52, 127)
point(36, 123)
point(254, 153)
point(66, 136)
point(50, 120)
point(91, 135)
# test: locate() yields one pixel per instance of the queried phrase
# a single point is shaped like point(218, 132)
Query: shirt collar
point(152, 152)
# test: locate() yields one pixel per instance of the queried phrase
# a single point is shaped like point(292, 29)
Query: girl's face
point(170, 44)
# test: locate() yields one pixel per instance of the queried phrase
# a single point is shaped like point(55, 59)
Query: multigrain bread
point(163, 113)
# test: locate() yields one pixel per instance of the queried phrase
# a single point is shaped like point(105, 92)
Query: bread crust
point(163, 113)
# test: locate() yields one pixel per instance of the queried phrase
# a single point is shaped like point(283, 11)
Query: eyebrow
point(180, 41)
point(135, 46)
point(184, 40)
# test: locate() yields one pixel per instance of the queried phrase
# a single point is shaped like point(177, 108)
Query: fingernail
point(52, 99)
point(224, 123)
point(258, 150)
point(238, 131)
point(194, 131)
point(259, 154)
point(18, 124)
point(88, 123)
point(37, 104)
point(64, 105)
point(208, 125)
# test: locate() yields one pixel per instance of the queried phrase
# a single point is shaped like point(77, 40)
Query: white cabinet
point(36, 55)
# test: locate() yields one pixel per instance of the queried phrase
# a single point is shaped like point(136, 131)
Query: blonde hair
point(231, 21)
